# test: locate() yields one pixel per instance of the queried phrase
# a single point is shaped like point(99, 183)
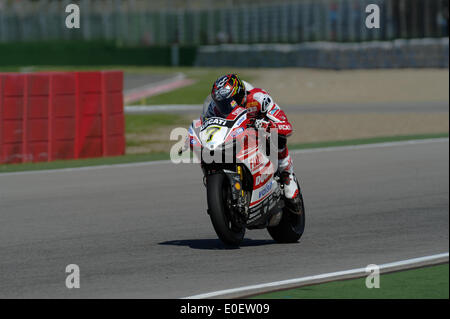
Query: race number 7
point(211, 131)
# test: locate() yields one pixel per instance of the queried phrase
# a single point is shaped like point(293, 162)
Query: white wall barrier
point(414, 53)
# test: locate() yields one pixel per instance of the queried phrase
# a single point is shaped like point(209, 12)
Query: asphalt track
point(370, 107)
point(141, 231)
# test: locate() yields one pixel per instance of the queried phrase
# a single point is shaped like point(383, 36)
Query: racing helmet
point(227, 92)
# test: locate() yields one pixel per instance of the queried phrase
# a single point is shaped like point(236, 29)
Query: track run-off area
point(141, 230)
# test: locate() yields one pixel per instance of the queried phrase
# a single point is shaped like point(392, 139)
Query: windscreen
point(210, 109)
point(207, 105)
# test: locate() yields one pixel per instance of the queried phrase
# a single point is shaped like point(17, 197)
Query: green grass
point(194, 93)
point(422, 283)
point(129, 158)
point(140, 127)
point(146, 123)
point(134, 158)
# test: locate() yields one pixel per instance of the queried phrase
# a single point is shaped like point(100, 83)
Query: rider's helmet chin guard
point(228, 91)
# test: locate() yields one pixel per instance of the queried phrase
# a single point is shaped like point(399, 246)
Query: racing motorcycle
point(243, 186)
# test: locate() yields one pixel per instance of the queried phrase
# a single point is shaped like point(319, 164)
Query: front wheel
point(219, 196)
point(291, 225)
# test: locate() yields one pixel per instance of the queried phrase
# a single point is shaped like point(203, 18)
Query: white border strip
point(327, 276)
point(154, 88)
point(301, 151)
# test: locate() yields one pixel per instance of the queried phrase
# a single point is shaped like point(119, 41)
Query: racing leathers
point(267, 114)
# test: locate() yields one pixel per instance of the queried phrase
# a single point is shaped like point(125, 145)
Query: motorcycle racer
point(229, 91)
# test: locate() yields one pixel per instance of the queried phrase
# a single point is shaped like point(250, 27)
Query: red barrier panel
point(61, 115)
point(11, 110)
point(90, 108)
point(113, 117)
point(35, 118)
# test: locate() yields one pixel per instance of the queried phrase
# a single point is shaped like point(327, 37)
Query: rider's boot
point(289, 182)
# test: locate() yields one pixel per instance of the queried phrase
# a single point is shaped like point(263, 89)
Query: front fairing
point(217, 131)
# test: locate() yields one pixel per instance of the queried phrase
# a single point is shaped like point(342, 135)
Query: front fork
point(238, 194)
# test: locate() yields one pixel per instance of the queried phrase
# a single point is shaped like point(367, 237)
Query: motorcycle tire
point(218, 191)
point(291, 226)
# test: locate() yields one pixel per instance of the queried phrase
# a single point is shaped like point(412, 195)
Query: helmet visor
point(225, 106)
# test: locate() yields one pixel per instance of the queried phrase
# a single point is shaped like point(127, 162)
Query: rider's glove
point(262, 124)
point(186, 145)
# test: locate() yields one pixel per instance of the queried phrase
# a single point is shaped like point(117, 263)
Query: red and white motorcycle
point(243, 188)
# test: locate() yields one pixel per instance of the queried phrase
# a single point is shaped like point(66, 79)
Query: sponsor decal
point(265, 190)
point(239, 122)
point(252, 109)
point(237, 111)
point(214, 120)
point(224, 91)
point(253, 217)
point(255, 162)
point(237, 132)
point(260, 178)
point(286, 127)
point(274, 110)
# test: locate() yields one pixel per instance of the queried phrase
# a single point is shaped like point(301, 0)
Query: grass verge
point(194, 93)
point(147, 123)
point(135, 158)
point(129, 158)
point(423, 283)
point(147, 133)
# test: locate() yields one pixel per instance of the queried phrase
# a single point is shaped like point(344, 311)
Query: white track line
point(318, 278)
point(304, 151)
point(151, 89)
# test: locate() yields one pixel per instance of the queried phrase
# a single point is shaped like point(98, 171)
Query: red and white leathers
point(260, 106)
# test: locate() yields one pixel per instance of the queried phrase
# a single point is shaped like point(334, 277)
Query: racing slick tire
point(291, 225)
point(218, 192)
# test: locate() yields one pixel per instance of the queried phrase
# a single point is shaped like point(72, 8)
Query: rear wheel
point(291, 225)
point(219, 200)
